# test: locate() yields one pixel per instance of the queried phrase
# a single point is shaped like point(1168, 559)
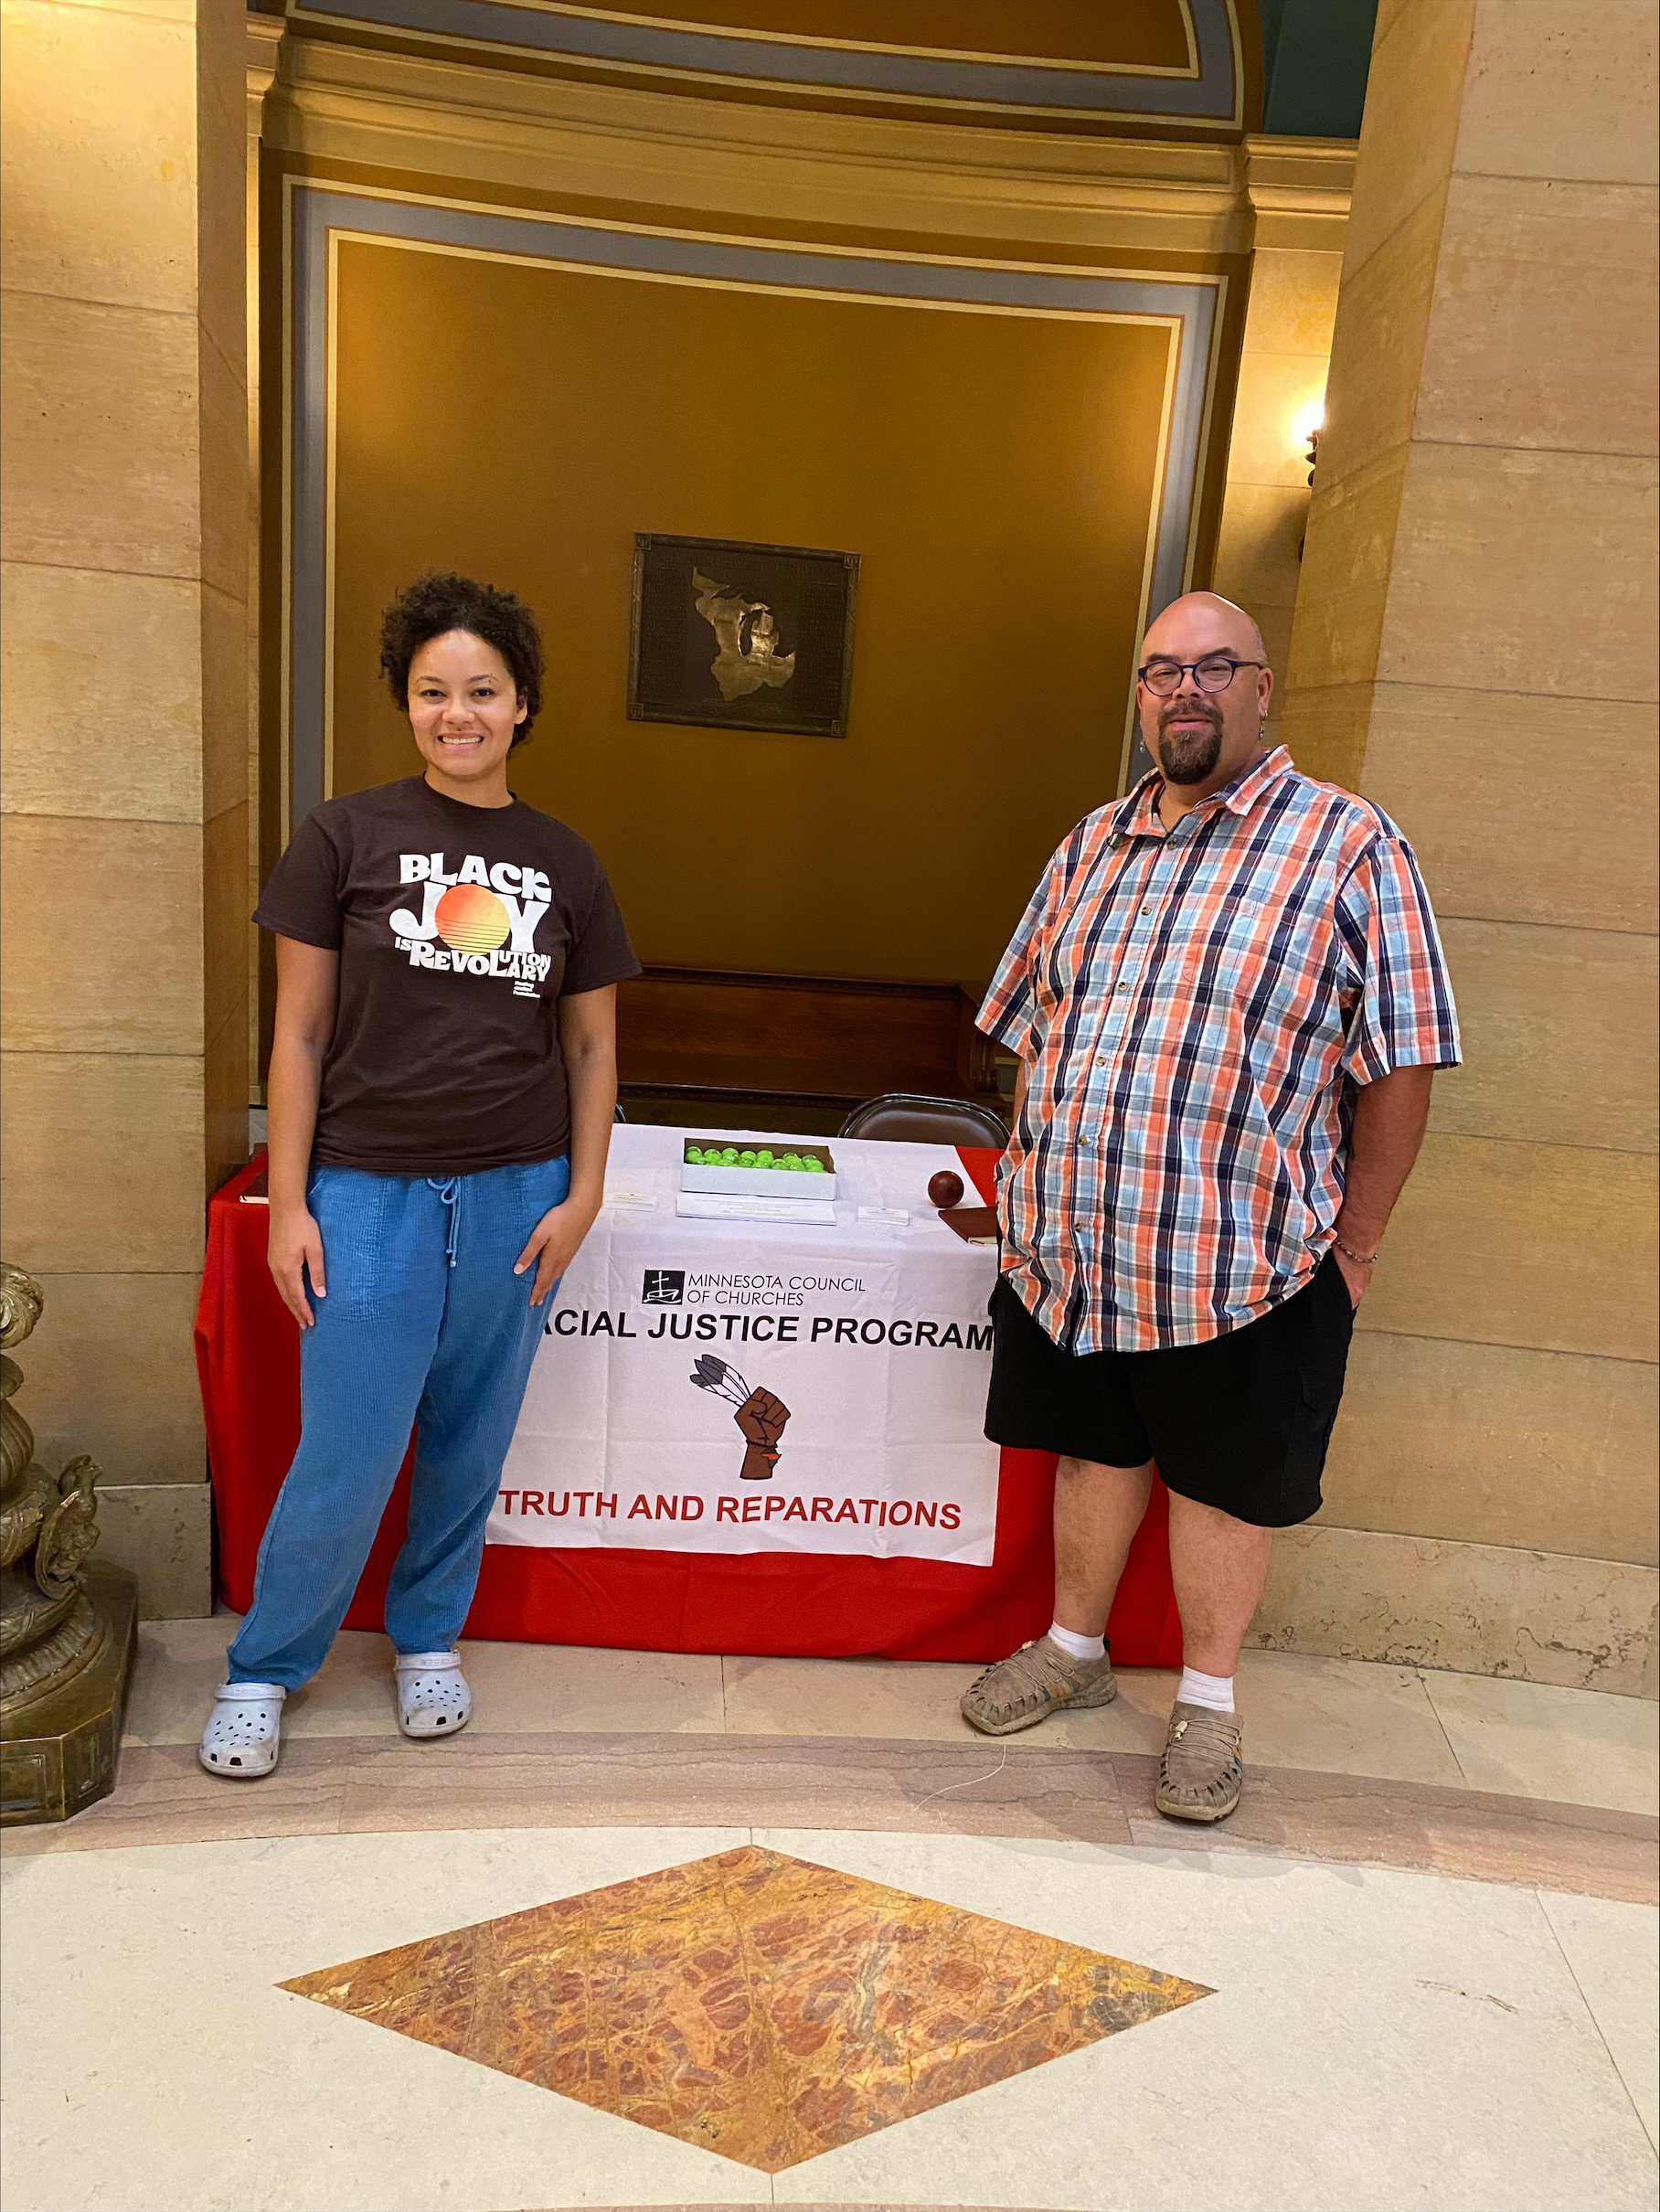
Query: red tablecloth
point(247, 1353)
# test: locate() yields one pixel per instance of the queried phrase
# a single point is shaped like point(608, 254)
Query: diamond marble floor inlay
point(750, 2002)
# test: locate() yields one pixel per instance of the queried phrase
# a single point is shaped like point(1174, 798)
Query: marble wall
point(1474, 649)
point(124, 542)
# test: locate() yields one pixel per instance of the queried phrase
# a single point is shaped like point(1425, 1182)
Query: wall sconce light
point(1306, 432)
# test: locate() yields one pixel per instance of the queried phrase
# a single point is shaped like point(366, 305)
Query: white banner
point(744, 1386)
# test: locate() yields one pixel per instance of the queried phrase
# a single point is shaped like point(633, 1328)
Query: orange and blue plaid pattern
point(1192, 1009)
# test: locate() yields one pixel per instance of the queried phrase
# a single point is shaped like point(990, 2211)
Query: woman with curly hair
point(442, 1083)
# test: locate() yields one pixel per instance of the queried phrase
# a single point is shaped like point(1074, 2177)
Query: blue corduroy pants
point(424, 1323)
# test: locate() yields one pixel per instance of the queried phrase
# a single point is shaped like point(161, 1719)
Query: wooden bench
point(701, 1046)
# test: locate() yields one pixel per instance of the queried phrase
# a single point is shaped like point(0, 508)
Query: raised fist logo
point(760, 1416)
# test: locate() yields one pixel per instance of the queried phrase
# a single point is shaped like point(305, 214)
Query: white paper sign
point(680, 1354)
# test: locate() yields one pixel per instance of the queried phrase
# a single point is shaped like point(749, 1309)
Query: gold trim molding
point(1299, 190)
point(1204, 96)
point(558, 138)
point(265, 39)
point(709, 27)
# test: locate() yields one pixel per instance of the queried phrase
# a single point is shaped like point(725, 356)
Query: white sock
point(1076, 1646)
point(1214, 1690)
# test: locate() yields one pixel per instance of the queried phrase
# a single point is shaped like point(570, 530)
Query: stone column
point(264, 36)
point(1475, 648)
point(1298, 194)
point(125, 550)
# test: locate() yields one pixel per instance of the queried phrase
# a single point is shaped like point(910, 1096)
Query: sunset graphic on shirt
point(471, 919)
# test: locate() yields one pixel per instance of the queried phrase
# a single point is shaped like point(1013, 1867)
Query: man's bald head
point(1203, 735)
point(1203, 622)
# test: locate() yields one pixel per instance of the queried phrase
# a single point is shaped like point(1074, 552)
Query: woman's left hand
point(555, 1243)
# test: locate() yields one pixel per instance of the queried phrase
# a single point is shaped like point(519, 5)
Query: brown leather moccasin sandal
point(1200, 1774)
point(1039, 1679)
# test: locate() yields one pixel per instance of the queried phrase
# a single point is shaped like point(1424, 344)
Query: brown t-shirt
point(459, 929)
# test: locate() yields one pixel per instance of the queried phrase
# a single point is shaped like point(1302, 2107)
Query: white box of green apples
point(779, 1170)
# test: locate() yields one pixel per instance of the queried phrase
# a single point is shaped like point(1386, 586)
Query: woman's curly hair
point(433, 605)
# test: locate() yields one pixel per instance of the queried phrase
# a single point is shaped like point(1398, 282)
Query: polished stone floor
point(1326, 1716)
point(750, 2002)
point(679, 1932)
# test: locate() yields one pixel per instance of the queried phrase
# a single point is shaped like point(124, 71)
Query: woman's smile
point(459, 674)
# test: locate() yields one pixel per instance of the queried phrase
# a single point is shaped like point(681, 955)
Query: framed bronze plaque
point(734, 636)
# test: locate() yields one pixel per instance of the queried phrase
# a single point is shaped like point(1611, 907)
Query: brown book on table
point(974, 1224)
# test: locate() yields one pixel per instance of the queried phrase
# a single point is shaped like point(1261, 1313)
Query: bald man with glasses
point(1228, 999)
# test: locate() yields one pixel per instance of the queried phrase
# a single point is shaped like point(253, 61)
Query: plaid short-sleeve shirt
point(1193, 1008)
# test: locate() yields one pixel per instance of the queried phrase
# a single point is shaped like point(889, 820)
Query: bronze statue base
point(59, 1752)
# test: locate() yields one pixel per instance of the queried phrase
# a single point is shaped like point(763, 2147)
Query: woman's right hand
point(296, 1250)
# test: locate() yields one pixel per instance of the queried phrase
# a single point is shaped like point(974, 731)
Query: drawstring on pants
point(448, 1194)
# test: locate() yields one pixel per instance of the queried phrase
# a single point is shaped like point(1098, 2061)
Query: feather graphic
point(716, 1376)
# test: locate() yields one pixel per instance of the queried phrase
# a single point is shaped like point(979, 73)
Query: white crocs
point(243, 1736)
point(432, 1695)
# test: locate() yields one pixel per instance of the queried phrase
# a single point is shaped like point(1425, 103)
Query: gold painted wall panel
point(1484, 1444)
point(994, 472)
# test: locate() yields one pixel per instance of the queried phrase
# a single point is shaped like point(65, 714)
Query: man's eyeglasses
point(1215, 673)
